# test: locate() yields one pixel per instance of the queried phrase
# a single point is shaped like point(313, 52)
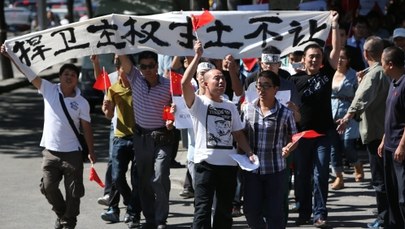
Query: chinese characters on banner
point(241, 34)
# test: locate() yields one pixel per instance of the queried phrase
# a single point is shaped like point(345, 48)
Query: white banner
point(240, 33)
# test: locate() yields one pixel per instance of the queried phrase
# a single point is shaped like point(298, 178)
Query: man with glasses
point(152, 138)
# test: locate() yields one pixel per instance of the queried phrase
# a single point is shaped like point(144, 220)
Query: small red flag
point(102, 82)
point(306, 134)
point(167, 114)
point(249, 63)
point(200, 20)
point(175, 83)
point(94, 177)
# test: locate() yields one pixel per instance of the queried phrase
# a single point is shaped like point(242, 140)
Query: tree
point(89, 6)
point(6, 68)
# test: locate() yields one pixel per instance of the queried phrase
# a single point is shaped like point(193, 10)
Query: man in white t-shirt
point(62, 156)
point(215, 122)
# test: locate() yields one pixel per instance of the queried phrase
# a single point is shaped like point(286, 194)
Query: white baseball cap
point(398, 32)
point(204, 66)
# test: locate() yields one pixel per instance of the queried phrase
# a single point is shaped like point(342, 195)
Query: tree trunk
point(69, 5)
point(6, 69)
point(89, 6)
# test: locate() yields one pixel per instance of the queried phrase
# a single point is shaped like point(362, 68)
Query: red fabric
point(102, 82)
point(167, 115)
point(305, 134)
point(200, 20)
point(249, 63)
point(175, 83)
point(94, 177)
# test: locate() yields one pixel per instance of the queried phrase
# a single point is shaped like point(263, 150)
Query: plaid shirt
point(269, 134)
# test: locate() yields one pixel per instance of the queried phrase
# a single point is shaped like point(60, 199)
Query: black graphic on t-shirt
point(219, 126)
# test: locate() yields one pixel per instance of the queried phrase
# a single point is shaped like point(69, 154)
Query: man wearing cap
point(216, 122)
point(399, 38)
point(271, 61)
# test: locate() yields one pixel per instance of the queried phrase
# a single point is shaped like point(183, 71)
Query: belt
point(143, 131)
point(343, 98)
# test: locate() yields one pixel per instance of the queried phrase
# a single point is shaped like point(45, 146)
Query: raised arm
point(188, 91)
point(96, 65)
point(234, 74)
point(333, 57)
point(36, 81)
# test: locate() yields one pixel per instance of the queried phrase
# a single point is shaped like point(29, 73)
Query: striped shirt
point(268, 134)
point(148, 102)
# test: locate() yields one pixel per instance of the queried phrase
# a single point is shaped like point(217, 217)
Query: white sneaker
point(104, 200)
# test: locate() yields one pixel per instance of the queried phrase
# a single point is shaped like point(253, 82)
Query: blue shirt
point(341, 99)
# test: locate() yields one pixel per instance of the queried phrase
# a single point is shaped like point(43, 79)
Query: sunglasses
point(147, 66)
point(263, 86)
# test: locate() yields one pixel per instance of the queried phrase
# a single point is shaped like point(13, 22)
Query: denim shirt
point(341, 99)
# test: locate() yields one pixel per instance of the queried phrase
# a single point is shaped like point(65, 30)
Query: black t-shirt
point(315, 92)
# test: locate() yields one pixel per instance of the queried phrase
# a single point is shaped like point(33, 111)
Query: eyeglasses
point(147, 66)
point(263, 86)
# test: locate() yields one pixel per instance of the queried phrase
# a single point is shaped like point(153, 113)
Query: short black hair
point(147, 55)
point(71, 67)
point(395, 55)
point(271, 76)
point(271, 50)
point(313, 46)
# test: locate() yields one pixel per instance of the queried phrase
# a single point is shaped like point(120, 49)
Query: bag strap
point(62, 102)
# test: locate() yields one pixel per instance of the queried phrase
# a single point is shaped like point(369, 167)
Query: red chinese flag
point(102, 82)
point(200, 20)
point(305, 134)
point(94, 177)
point(167, 114)
point(249, 63)
point(175, 83)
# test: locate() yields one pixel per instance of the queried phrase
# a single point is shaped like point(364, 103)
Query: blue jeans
point(312, 164)
point(108, 179)
point(340, 146)
point(210, 179)
point(122, 155)
point(264, 198)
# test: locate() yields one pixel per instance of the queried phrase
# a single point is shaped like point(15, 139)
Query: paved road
point(22, 205)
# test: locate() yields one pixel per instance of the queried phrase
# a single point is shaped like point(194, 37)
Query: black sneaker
point(58, 225)
point(176, 165)
point(135, 223)
point(300, 222)
point(186, 194)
